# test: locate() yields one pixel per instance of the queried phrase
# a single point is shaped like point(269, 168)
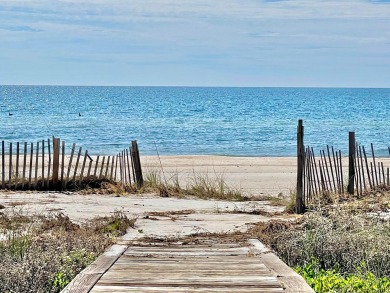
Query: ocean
point(196, 120)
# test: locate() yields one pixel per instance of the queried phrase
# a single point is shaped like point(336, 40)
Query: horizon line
point(195, 86)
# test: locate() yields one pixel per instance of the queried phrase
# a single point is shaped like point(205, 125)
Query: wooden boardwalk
point(189, 268)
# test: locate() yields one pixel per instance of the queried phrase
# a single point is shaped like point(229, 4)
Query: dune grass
point(337, 245)
point(200, 185)
point(43, 253)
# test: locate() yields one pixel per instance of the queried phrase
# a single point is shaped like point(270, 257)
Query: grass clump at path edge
point(44, 253)
point(338, 246)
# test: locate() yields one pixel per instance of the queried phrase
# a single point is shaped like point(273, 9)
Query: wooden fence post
point(56, 161)
point(137, 164)
point(3, 165)
point(351, 168)
point(299, 204)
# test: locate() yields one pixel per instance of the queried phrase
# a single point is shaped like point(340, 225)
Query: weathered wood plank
point(128, 166)
point(43, 164)
point(102, 167)
point(152, 289)
point(62, 164)
point(17, 164)
point(2, 165)
point(185, 249)
point(77, 165)
point(83, 166)
point(188, 253)
point(107, 166)
point(31, 165)
point(10, 166)
point(285, 273)
point(96, 166)
point(89, 168)
point(49, 163)
point(116, 167)
point(24, 164)
point(36, 166)
point(90, 275)
point(112, 167)
point(70, 164)
point(82, 285)
point(183, 272)
point(193, 262)
point(192, 281)
point(56, 161)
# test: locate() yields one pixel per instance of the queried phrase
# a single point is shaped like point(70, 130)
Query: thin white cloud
point(230, 34)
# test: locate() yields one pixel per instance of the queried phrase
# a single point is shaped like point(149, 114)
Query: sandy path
point(202, 215)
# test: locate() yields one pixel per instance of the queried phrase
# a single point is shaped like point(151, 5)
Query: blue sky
point(196, 42)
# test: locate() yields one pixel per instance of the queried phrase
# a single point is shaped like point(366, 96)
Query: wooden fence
point(49, 165)
point(322, 173)
point(328, 171)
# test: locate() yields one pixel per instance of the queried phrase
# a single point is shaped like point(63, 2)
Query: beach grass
point(336, 243)
point(199, 185)
point(43, 253)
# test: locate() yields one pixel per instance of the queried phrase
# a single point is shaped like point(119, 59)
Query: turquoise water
point(187, 120)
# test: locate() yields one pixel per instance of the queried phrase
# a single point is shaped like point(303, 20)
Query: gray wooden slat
point(218, 281)
point(200, 271)
point(151, 289)
point(242, 250)
point(233, 263)
point(17, 164)
point(83, 285)
point(43, 164)
point(49, 163)
point(24, 164)
point(84, 281)
point(70, 164)
point(10, 166)
point(2, 165)
point(77, 165)
point(187, 253)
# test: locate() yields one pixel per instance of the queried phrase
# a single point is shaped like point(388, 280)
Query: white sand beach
point(252, 175)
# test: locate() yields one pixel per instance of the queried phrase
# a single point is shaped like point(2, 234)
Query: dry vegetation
point(43, 253)
point(201, 186)
point(339, 245)
point(343, 235)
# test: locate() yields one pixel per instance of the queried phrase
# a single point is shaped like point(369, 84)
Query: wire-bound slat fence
point(322, 174)
point(328, 172)
point(49, 165)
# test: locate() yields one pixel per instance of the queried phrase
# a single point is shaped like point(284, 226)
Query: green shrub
point(324, 281)
point(71, 263)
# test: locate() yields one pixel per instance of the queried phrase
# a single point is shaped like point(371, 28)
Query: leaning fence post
point(299, 204)
point(56, 161)
point(351, 168)
point(137, 164)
